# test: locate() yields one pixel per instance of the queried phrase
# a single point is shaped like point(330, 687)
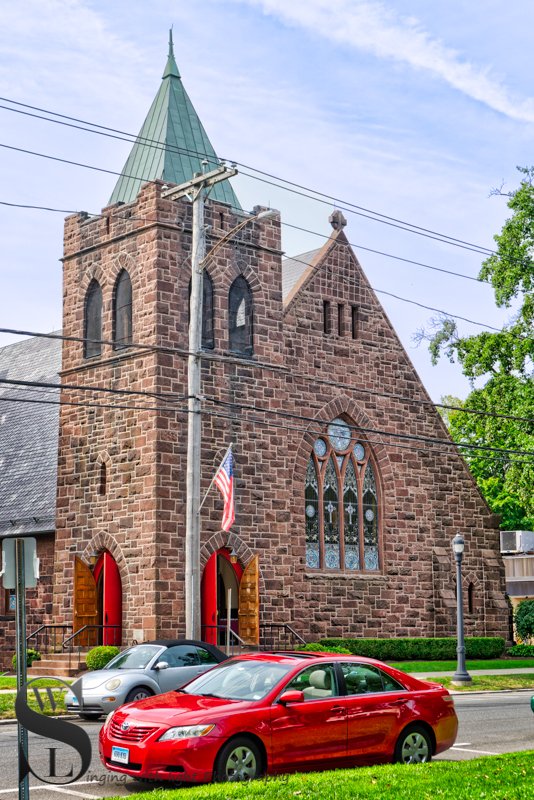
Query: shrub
point(31, 656)
point(316, 647)
point(420, 648)
point(524, 620)
point(98, 657)
point(525, 650)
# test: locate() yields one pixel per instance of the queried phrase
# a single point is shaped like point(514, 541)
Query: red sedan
point(267, 713)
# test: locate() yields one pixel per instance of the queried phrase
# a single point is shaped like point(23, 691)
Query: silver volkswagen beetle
point(141, 671)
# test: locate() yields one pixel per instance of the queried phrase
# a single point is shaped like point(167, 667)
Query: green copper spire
point(171, 144)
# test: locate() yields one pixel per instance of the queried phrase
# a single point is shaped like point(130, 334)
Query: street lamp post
point(461, 676)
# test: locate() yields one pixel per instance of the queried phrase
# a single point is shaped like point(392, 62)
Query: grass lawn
point(508, 777)
point(494, 664)
point(491, 683)
point(7, 704)
point(10, 682)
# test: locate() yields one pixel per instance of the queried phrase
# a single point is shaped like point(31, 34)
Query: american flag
point(224, 480)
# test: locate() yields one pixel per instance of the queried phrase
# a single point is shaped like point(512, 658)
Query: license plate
point(120, 754)
point(73, 700)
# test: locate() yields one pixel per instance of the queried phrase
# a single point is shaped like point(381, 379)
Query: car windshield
point(239, 680)
point(135, 658)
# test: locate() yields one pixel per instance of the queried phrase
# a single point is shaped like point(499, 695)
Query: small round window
point(339, 434)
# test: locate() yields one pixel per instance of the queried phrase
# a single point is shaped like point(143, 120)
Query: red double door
point(98, 601)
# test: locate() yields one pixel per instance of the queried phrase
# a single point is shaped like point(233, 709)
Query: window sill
point(336, 576)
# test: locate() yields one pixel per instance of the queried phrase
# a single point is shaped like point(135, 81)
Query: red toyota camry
point(267, 713)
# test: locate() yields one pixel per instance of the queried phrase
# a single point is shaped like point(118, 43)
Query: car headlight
point(114, 683)
point(108, 720)
point(186, 732)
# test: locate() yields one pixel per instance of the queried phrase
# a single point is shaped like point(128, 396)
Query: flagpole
point(213, 479)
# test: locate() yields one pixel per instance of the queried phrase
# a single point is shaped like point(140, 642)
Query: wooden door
point(85, 603)
point(249, 603)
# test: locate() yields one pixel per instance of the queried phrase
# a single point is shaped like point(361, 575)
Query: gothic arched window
point(341, 503)
point(208, 342)
point(92, 321)
point(240, 311)
point(122, 311)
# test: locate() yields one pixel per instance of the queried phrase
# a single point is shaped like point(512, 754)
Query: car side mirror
point(161, 665)
point(291, 696)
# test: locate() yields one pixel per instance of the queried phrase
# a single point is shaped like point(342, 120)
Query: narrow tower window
point(354, 322)
point(240, 322)
point(326, 316)
point(122, 311)
point(103, 479)
point(340, 326)
point(92, 323)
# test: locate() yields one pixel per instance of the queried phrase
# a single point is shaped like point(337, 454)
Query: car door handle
point(337, 710)
point(399, 702)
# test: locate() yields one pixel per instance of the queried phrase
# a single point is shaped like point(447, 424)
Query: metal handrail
point(280, 636)
point(70, 646)
point(42, 632)
point(236, 645)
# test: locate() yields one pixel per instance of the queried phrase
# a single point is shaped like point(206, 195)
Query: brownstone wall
point(426, 492)
point(38, 604)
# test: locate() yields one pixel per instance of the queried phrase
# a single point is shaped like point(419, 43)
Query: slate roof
point(294, 268)
point(28, 437)
point(171, 144)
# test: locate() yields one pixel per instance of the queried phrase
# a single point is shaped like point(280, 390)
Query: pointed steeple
point(171, 144)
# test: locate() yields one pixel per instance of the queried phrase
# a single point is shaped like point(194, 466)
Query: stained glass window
point(370, 519)
point(350, 511)
point(341, 502)
point(311, 498)
point(331, 517)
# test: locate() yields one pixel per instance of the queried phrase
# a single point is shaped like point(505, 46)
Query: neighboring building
point(347, 492)
point(29, 426)
point(517, 548)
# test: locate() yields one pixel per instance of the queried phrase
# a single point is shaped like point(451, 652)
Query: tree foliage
point(505, 358)
point(524, 620)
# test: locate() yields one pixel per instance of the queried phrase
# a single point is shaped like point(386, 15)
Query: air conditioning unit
point(517, 541)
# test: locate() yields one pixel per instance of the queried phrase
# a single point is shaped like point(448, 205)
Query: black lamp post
point(461, 675)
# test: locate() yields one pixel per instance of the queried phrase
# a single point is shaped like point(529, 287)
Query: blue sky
point(412, 109)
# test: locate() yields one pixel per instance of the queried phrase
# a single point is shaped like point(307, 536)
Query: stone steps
point(58, 665)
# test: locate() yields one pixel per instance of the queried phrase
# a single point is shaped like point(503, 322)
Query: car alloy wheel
point(239, 760)
point(413, 747)
point(139, 693)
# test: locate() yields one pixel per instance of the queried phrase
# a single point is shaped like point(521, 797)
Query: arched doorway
point(98, 601)
point(230, 593)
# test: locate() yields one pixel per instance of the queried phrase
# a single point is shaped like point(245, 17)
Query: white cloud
point(374, 28)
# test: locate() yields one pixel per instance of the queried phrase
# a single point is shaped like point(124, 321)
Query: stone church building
point(347, 489)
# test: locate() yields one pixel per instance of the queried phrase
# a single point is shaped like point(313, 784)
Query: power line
point(208, 356)
point(284, 224)
point(295, 258)
point(286, 426)
point(289, 186)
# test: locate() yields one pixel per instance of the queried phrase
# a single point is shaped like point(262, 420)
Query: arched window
point(471, 598)
point(341, 503)
point(92, 321)
point(208, 342)
point(240, 317)
point(122, 311)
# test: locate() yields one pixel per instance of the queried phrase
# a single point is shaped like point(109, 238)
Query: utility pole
point(196, 190)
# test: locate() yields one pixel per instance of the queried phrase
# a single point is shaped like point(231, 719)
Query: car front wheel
point(139, 693)
point(239, 760)
point(413, 746)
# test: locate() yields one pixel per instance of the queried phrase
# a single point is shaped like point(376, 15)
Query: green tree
point(524, 620)
point(505, 360)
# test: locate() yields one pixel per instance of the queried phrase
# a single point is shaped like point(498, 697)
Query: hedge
point(31, 656)
point(522, 650)
point(420, 649)
point(98, 657)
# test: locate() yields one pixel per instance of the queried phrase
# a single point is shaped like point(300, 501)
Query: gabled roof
point(29, 437)
point(293, 270)
point(171, 144)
